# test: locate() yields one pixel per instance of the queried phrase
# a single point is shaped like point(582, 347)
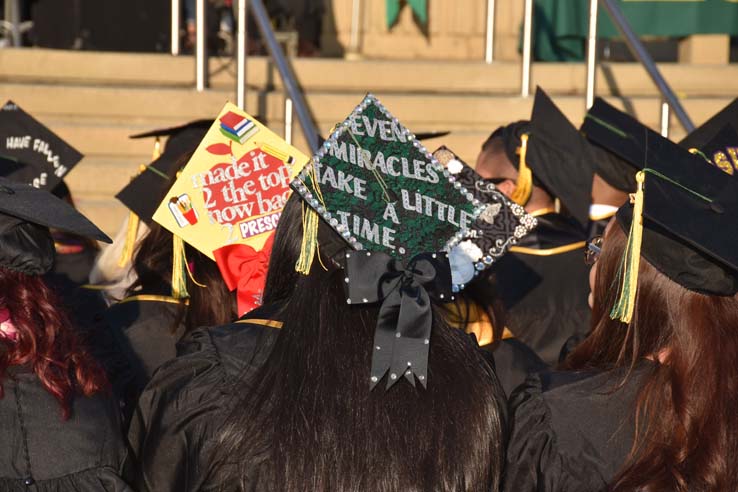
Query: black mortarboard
point(721, 150)
point(701, 135)
point(144, 193)
point(431, 135)
point(26, 214)
point(620, 142)
point(558, 156)
point(10, 168)
point(616, 159)
point(26, 140)
point(689, 211)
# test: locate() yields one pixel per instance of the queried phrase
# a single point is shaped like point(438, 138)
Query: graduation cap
point(419, 136)
point(681, 221)
point(26, 214)
point(26, 140)
point(701, 135)
point(227, 200)
point(721, 150)
point(549, 151)
point(143, 193)
point(12, 168)
point(620, 142)
point(399, 212)
point(499, 226)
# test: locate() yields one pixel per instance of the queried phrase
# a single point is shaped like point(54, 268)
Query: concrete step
point(339, 75)
point(98, 120)
point(136, 108)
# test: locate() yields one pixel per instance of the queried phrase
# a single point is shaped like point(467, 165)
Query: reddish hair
point(685, 413)
point(45, 341)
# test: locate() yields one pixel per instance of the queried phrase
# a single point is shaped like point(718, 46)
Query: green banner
point(419, 8)
point(561, 26)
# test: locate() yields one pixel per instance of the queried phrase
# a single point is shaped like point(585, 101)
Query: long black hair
point(282, 277)
point(306, 420)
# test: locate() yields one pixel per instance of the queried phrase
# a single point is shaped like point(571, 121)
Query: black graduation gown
point(571, 432)
point(174, 428)
point(141, 333)
point(74, 264)
point(513, 361)
point(544, 285)
point(82, 454)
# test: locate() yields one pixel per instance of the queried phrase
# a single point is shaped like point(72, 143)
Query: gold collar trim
point(542, 211)
point(262, 322)
point(155, 298)
point(550, 251)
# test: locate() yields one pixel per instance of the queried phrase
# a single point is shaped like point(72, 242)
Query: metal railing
point(355, 39)
point(11, 26)
point(295, 98)
point(295, 102)
point(489, 35)
point(638, 50)
point(294, 93)
point(527, 48)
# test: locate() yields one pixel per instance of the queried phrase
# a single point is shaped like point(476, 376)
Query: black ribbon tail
point(410, 352)
point(384, 341)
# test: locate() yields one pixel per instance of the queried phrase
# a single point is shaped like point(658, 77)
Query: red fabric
point(245, 269)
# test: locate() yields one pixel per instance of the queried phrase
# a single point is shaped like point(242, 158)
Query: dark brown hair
point(211, 305)
point(45, 341)
point(686, 409)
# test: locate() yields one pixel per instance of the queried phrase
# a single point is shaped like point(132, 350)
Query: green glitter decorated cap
point(380, 189)
point(400, 212)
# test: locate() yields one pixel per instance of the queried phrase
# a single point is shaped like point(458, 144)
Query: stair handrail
point(638, 50)
point(289, 79)
point(294, 97)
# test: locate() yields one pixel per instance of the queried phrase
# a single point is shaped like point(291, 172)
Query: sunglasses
point(592, 250)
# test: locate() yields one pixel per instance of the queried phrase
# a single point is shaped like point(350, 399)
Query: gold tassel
point(131, 233)
point(524, 184)
point(628, 274)
point(133, 220)
point(179, 268)
point(310, 220)
point(309, 240)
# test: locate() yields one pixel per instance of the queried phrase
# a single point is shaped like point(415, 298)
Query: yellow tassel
point(309, 240)
point(179, 268)
point(524, 183)
point(131, 233)
point(132, 229)
point(628, 274)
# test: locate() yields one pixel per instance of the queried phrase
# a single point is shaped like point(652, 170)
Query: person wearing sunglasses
point(542, 282)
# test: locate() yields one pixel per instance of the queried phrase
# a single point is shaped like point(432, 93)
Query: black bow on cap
point(402, 336)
